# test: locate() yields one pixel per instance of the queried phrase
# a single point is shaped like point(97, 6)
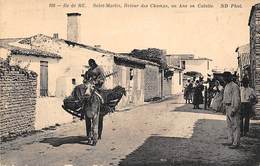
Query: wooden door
point(43, 78)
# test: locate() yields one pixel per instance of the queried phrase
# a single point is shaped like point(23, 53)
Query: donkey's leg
point(100, 125)
point(88, 126)
point(95, 121)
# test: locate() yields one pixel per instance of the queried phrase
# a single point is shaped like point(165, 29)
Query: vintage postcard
point(129, 82)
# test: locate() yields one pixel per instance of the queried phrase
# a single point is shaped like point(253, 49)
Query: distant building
point(176, 59)
point(174, 63)
point(156, 85)
point(200, 65)
point(177, 80)
point(191, 64)
point(254, 24)
point(243, 57)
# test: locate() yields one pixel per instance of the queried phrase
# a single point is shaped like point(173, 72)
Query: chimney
point(55, 35)
point(73, 27)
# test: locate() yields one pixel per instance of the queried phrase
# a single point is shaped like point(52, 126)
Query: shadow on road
point(189, 108)
point(58, 141)
point(203, 148)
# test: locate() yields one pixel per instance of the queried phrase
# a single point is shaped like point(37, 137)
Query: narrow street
point(162, 133)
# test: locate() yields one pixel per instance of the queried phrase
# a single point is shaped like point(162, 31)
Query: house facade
point(200, 65)
point(61, 64)
point(42, 62)
point(175, 63)
point(189, 63)
point(177, 80)
point(155, 84)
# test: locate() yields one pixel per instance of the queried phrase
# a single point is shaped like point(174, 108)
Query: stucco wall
point(49, 112)
point(73, 64)
point(198, 66)
point(167, 87)
point(134, 88)
point(34, 65)
point(177, 86)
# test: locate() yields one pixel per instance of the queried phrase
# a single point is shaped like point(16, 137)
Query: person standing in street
point(188, 92)
point(197, 96)
point(248, 99)
point(218, 96)
point(231, 101)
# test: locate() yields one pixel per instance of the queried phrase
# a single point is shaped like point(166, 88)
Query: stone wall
point(152, 83)
point(17, 99)
point(255, 52)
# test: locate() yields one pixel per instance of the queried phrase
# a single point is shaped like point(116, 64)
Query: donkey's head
point(90, 87)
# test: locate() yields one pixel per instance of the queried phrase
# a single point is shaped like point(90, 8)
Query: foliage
point(151, 54)
point(154, 55)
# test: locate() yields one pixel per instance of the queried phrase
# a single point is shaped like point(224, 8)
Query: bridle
point(91, 90)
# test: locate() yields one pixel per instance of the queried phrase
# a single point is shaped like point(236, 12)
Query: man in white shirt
point(231, 101)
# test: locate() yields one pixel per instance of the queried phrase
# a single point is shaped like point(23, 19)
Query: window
point(43, 78)
point(131, 74)
point(183, 64)
point(208, 65)
point(73, 81)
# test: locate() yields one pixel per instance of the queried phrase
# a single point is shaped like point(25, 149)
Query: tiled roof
point(15, 50)
point(243, 49)
point(125, 56)
point(33, 52)
point(5, 43)
point(200, 59)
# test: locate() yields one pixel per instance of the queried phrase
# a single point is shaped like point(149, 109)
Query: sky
point(214, 33)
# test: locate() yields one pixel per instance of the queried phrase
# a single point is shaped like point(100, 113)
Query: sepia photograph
point(129, 83)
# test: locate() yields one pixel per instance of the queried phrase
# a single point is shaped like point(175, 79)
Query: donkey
point(95, 108)
point(91, 109)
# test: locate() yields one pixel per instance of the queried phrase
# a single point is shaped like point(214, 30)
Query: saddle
point(109, 97)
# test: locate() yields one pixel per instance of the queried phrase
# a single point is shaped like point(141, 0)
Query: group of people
point(235, 99)
point(193, 92)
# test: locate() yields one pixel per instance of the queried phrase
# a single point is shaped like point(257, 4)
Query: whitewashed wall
point(198, 66)
point(177, 86)
point(34, 65)
point(73, 64)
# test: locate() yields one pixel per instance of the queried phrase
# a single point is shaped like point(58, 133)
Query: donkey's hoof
point(94, 143)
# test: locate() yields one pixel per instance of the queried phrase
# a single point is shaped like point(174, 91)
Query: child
point(248, 99)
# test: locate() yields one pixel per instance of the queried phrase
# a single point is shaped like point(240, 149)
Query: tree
point(154, 55)
point(151, 54)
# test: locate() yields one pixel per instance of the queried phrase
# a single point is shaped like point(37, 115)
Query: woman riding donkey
point(94, 79)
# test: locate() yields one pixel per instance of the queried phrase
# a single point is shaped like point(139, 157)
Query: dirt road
point(164, 133)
